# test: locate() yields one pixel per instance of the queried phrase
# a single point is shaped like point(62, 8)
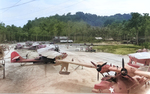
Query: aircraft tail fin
point(15, 57)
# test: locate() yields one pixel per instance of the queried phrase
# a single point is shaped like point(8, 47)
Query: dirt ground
point(45, 78)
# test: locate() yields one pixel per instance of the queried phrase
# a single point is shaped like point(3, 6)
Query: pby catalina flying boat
point(47, 54)
point(127, 79)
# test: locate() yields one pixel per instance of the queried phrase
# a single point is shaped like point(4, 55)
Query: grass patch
point(118, 49)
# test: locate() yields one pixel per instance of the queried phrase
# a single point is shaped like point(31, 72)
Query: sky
point(18, 12)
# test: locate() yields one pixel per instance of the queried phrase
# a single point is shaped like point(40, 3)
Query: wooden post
point(3, 61)
point(3, 69)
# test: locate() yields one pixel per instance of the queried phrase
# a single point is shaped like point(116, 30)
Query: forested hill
point(80, 27)
point(94, 20)
point(91, 19)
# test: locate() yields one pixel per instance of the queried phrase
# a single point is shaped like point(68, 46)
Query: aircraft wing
point(143, 73)
point(35, 44)
point(47, 48)
point(50, 54)
point(77, 60)
point(76, 63)
point(141, 55)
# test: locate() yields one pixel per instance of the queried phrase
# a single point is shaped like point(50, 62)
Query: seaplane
point(126, 80)
point(47, 54)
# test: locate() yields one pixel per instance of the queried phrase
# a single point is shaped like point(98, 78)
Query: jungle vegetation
point(81, 27)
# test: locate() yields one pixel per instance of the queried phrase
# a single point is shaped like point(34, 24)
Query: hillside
point(93, 19)
point(78, 26)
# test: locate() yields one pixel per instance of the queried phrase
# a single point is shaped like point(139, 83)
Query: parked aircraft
point(126, 79)
point(47, 54)
point(141, 57)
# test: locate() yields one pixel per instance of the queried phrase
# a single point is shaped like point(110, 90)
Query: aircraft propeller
point(124, 71)
point(98, 68)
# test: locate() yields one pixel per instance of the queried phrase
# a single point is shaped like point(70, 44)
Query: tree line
point(81, 27)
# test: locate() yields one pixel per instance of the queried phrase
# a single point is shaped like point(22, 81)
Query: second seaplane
point(47, 54)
